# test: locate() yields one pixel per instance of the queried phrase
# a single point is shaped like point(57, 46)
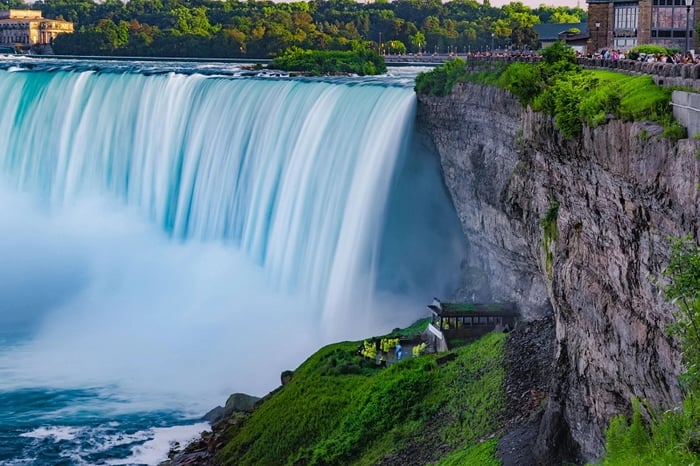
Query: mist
point(103, 298)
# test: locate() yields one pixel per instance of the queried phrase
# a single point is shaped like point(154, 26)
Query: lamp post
point(688, 4)
point(597, 28)
point(492, 36)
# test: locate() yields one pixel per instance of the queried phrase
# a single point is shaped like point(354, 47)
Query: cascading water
point(170, 238)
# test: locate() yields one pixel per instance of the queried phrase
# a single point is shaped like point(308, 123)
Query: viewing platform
point(468, 321)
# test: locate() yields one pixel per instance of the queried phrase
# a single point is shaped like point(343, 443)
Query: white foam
point(102, 440)
point(20, 462)
point(162, 439)
point(58, 433)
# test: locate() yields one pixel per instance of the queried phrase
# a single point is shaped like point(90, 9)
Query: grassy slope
point(338, 409)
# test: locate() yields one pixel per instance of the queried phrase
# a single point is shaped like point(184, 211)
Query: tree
point(114, 36)
point(192, 21)
point(396, 47)
point(565, 17)
point(520, 20)
point(418, 41)
point(559, 52)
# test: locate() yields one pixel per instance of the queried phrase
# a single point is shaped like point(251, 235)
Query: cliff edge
point(576, 229)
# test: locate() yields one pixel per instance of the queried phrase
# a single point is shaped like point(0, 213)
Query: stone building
point(28, 27)
point(622, 24)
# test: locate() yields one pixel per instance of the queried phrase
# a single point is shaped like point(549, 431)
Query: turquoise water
point(175, 233)
point(53, 427)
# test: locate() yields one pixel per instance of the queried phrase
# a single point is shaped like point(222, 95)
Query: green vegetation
point(361, 413)
point(261, 29)
point(683, 289)
point(417, 327)
point(483, 454)
point(573, 96)
point(550, 234)
point(671, 437)
point(649, 49)
point(320, 62)
point(675, 131)
point(559, 87)
point(442, 78)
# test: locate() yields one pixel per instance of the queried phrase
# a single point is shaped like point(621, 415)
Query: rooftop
point(551, 31)
point(483, 309)
point(20, 14)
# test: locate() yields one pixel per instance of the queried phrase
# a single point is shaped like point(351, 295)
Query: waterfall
point(238, 210)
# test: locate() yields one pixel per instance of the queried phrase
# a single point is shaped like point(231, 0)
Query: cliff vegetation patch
point(550, 234)
point(574, 96)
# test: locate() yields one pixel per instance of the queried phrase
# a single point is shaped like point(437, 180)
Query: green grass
point(359, 414)
point(482, 454)
point(417, 327)
point(671, 438)
point(591, 96)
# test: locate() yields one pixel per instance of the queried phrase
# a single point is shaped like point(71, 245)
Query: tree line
point(262, 29)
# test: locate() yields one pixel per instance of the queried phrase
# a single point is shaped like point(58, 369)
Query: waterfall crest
point(294, 173)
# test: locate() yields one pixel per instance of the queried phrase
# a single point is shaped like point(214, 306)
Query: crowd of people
point(687, 58)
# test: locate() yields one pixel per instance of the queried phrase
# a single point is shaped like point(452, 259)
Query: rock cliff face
point(613, 198)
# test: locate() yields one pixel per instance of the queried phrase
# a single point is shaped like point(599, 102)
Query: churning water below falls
point(174, 233)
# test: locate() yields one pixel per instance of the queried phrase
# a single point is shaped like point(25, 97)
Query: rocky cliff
point(578, 229)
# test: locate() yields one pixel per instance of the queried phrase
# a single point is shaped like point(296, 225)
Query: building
point(466, 321)
point(623, 24)
point(574, 34)
point(27, 28)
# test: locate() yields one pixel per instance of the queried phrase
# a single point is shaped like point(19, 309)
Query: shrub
point(568, 97)
point(523, 80)
point(675, 131)
point(360, 61)
point(559, 53)
point(648, 49)
point(442, 79)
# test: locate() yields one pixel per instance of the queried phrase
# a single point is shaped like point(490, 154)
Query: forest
point(263, 29)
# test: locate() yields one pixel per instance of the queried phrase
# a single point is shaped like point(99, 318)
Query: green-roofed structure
point(469, 320)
